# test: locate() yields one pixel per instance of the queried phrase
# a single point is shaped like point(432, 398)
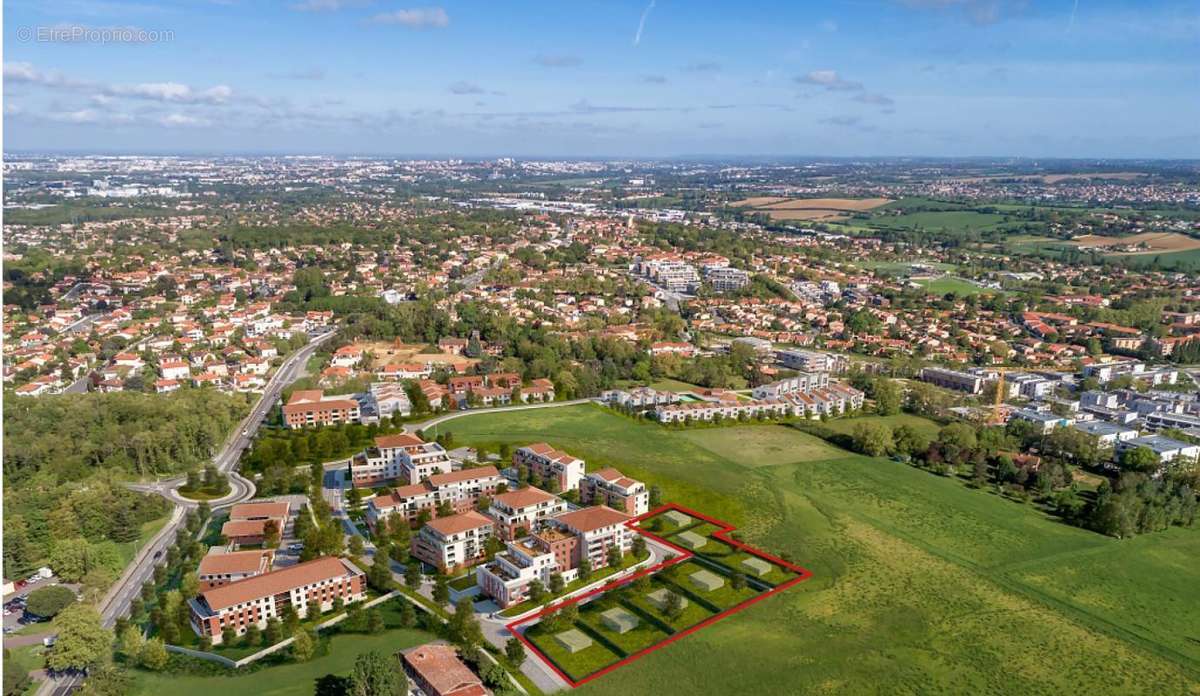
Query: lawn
point(921, 583)
point(290, 678)
point(765, 445)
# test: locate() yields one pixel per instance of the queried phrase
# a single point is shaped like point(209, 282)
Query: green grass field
point(958, 286)
point(948, 221)
point(921, 584)
point(290, 678)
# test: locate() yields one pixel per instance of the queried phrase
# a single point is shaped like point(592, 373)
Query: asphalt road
point(116, 602)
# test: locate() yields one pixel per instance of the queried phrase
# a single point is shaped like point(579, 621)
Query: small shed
point(691, 540)
point(659, 599)
point(677, 518)
point(619, 620)
point(756, 566)
point(706, 580)
point(573, 640)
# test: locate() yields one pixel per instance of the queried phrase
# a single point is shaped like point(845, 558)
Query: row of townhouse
point(831, 400)
point(801, 383)
point(639, 397)
point(255, 600)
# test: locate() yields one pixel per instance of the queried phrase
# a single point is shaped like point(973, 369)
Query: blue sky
point(1040, 78)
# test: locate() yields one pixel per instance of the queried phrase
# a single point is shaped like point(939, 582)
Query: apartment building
point(451, 542)
point(257, 599)
point(595, 529)
point(508, 576)
point(222, 567)
point(1106, 435)
point(461, 489)
point(726, 279)
point(310, 407)
point(545, 462)
point(811, 360)
point(523, 510)
point(388, 399)
point(616, 490)
point(1167, 449)
point(382, 462)
point(953, 379)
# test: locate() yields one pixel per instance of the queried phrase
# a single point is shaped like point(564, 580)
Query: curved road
point(116, 602)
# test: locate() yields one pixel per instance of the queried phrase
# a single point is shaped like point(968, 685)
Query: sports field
point(958, 286)
point(921, 585)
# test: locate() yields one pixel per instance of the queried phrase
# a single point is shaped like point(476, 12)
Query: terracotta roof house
point(437, 670)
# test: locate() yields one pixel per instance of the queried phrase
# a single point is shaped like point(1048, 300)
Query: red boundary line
point(683, 555)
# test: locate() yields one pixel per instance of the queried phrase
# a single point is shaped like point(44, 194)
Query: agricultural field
point(950, 221)
point(779, 208)
point(920, 583)
point(1145, 243)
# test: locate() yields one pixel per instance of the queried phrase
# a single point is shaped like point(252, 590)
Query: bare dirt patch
point(386, 353)
point(827, 204)
point(1145, 243)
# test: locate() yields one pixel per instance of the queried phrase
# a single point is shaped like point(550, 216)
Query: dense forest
point(65, 458)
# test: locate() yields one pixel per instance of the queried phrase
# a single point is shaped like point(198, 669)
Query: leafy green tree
point(375, 622)
point(48, 601)
point(412, 575)
point(107, 680)
point(303, 647)
point(376, 674)
point(1139, 459)
point(82, 639)
point(514, 650)
point(464, 626)
point(872, 439)
point(154, 655)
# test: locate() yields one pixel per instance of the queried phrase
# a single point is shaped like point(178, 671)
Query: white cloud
point(829, 79)
point(176, 119)
point(637, 38)
point(415, 18)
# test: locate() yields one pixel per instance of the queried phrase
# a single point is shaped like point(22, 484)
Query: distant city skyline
point(653, 79)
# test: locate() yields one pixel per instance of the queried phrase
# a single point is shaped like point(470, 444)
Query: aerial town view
point(635, 348)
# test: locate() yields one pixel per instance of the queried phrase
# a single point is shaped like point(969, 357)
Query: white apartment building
point(450, 542)
point(523, 509)
point(508, 577)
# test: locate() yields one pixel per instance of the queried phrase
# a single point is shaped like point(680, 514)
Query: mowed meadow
point(921, 585)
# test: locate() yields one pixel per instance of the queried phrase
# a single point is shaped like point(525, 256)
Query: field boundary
point(723, 534)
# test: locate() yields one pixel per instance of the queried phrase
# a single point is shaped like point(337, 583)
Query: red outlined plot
point(722, 534)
